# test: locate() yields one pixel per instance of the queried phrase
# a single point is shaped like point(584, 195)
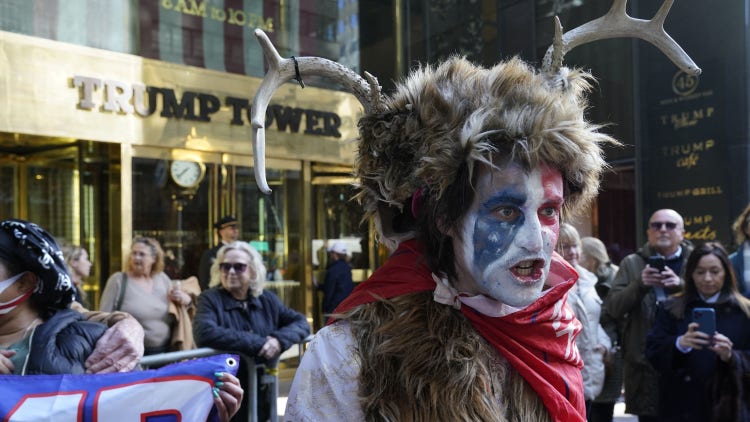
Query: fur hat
point(459, 114)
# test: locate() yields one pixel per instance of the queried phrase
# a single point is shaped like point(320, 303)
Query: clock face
point(187, 174)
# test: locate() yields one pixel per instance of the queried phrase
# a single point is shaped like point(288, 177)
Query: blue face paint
point(504, 244)
point(493, 234)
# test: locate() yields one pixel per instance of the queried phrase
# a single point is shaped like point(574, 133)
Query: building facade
point(124, 119)
point(131, 118)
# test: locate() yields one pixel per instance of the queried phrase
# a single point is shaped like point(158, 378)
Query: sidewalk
point(621, 416)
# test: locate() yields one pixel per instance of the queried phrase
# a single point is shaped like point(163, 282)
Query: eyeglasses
point(238, 267)
point(657, 225)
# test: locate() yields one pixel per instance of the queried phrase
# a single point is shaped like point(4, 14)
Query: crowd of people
point(489, 307)
point(45, 329)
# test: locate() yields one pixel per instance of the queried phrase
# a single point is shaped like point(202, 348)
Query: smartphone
point(706, 319)
point(657, 262)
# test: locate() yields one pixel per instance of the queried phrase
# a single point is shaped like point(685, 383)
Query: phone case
point(706, 319)
point(657, 262)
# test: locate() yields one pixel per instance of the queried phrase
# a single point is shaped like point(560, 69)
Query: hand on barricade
point(119, 349)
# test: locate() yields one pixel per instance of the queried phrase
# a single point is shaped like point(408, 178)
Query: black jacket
point(62, 343)
point(222, 322)
point(685, 377)
point(204, 268)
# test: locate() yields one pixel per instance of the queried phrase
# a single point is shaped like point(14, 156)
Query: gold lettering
point(704, 234)
point(218, 14)
point(233, 16)
point(237, 16)
point(688, 162)
point(687, 118)
point(256, 21)
point(687, 149)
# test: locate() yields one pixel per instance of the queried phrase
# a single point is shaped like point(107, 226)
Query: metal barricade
point(249, 381)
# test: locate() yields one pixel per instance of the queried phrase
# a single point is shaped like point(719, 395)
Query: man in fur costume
point(467, 175)
point(467, 172)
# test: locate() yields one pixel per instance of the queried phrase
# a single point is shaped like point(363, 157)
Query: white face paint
point(509, 233)
point(9, 282)
point(6, 307)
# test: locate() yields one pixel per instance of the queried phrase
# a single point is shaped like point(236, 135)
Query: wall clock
point(187, 174)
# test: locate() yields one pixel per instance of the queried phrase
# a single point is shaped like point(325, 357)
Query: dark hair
point(13, 267)
point(440, 214)
point(729, 288)
point(710, 248)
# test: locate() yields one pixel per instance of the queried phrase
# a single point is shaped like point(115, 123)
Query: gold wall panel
point(38, 96)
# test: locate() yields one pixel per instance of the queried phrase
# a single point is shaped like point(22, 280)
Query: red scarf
point(538, 341)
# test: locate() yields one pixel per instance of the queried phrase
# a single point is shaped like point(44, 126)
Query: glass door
point(62, 184)
point(338, 218)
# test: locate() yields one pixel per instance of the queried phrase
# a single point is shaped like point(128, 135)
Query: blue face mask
point(10, 305)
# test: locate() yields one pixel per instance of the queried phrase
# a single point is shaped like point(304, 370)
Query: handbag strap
point(123, 287)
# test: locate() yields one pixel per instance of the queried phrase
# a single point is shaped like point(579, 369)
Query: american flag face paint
point(508, 236)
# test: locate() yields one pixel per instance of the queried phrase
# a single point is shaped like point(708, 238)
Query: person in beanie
point(39, 333)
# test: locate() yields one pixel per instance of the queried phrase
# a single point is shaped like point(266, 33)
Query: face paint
point(6, 307)
point(9, 282)
point(509, 234)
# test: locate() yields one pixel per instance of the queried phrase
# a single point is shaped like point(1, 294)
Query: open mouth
point(529, 270)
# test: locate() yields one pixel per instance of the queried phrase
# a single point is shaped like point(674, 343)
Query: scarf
point(538, 340)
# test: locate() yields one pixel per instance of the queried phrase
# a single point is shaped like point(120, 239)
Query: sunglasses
point(657, 225)
point(238, 267)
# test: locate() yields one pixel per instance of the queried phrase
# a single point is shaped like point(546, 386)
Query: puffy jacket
point(633, 305)
point(222, 322)
point(62, 343)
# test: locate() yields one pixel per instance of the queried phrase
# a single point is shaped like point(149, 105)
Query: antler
point(281, 71)
point(616, 23)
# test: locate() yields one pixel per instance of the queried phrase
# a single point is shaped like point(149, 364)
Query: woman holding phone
point(701, 372)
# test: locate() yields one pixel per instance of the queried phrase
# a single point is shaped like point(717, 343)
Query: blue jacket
point(337, 285)
point(685, 378)
point(222, 322)
point(62, 344)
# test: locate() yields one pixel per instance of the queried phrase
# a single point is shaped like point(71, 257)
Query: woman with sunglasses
point(701, 374)
point(237, 315)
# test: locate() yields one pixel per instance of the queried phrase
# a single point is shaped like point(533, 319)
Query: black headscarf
point(28, 247)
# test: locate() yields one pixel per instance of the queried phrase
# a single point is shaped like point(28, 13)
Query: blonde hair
point(568, 234)
point(256, 263)
point(71, 253)
point(156, 252)
point(595, 249)
point(740, 225)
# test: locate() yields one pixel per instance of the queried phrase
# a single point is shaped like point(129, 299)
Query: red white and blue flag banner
point(180, 392)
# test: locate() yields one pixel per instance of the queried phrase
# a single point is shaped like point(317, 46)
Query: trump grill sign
point(177, 392)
